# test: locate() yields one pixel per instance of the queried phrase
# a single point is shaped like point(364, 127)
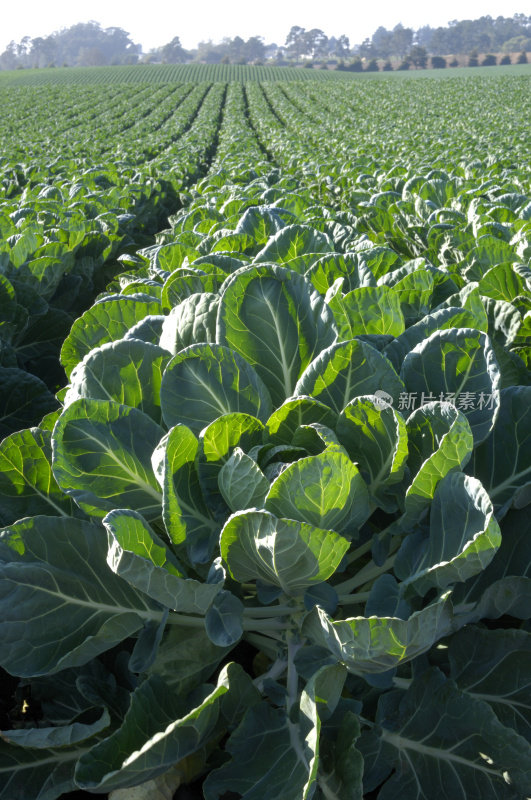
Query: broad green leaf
point(261, 223)
point(274, 319)
point(186, 658)
point(205, 381)
point(501, 283)
point(128, 371)
point(495, 666)
point(436, 738)
point(325, 272)
point(101, 457)
point(60, 604)
point(217, 443)
point(59, 735)
point(224, 619)
point(463, 538)
point(242, 483)
point(369, 310)
point(293, 413)
point(294, 241)
point(342, 778)
point(183, 283)
point(347, 370)
point(440, 441)
point(282, 552)
point(27, 484)
point(35, 774)
point(104, 322)
point(374, 435)
point(24, 400)
point(139, 556)
point(502, 462)
point(325, 490)
point(367, 645)
point(413, 289)
point(438, 320)
point(186, 517)
point(504, 587)
point(148, 329)
point(159, 729)
point(289, 762)
point(458, 366)
point(191, 322)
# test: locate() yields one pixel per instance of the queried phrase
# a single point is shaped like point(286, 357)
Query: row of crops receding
point(265, 372)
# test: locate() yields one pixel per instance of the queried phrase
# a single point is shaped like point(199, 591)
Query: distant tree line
point(87, 44)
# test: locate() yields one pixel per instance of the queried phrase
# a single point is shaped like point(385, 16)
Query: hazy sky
point(156, 22)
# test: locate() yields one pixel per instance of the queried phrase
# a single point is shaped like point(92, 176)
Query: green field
point(265, 423)
point(172, 73)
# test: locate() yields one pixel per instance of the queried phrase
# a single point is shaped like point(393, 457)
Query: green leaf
point(325, 272)
point(374, 435)
point(504, 587)
point(217, 443)
point(438, 320)
point(223, 620)
point(27, 485)
point(501, 283)
point(440, 741)
point(463, 539)
point(495, 666)
point(101, 457)
point(138, 555)
point(205, 381)
point(60, 735)
point(367, 645)
point(440, 441)
point(34, 774)
point(128, 371)
point(186, 516)
point(369, 310)
point(158, 730)
point(458, 366)
point(24, 400)
point(347, 370)
point(413, 290)
point(289, 762)
point(104, 322)
point(242, 483)
point(325, 490)
point(294, 241)
point(191, 322)
point(60, 604)
point(186, 657)
point(293, 413)
point(282, 552)
point(276, 321)
point(502, 461)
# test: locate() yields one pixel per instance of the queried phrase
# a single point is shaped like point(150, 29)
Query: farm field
point(265, 411)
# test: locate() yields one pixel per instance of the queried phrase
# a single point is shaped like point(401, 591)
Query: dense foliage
point(276, 533)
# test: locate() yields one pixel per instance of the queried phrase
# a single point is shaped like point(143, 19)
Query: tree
point(315, 42)
point(402, 40)
point(489, 60)
point(418, 56)
point(295, 41)
point(173, 52)
point(341, 47)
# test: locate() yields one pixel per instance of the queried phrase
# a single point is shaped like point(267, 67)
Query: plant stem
point(352, 599)
point(293, 678)
point(263, 643)
point(366, 574)
point(273, 611)
point(274, 672)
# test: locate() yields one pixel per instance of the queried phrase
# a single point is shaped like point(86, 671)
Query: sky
point(156, 22)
